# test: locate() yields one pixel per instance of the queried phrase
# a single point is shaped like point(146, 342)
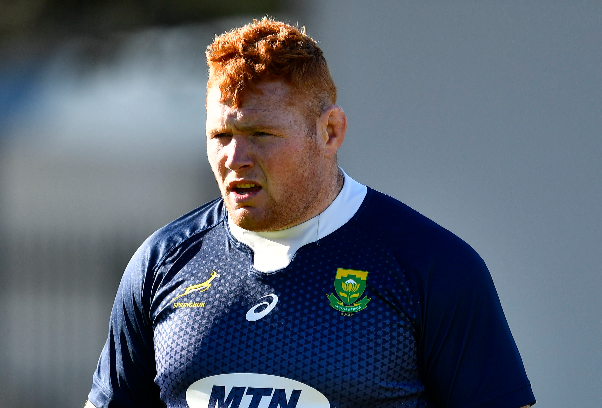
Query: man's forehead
point(266, 98)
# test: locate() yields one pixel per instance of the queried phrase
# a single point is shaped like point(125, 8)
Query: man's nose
point(239, 153)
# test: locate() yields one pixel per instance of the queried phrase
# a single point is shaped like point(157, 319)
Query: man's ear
point(331, 127)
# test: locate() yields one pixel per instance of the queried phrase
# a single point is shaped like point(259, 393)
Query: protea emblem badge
point(349, 286)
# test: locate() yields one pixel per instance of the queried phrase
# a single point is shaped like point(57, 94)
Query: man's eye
point(221, 135)
point(261, 134)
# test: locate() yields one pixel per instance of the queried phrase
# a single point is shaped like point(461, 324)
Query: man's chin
point(248, 218)
point(253, 219)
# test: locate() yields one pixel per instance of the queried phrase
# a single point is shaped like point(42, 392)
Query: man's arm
point(128, 353)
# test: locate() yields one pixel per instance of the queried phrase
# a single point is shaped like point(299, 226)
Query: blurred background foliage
point(100, 17)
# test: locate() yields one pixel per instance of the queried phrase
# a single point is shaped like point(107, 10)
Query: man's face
point(266, 158)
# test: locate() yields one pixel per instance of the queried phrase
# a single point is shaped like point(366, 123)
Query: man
point(300, 287)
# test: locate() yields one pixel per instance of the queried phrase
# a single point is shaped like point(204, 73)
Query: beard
point(300, 196)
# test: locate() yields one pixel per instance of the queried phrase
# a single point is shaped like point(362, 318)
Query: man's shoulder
point(391, 218)
point(415, 238)
point(181, 231)
point(198, 220)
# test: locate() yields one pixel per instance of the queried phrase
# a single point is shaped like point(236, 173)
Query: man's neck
point(273, 250)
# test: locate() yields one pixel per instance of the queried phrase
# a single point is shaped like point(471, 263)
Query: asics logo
point(253, 315)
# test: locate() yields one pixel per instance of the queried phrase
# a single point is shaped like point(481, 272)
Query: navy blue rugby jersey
point(390, 310)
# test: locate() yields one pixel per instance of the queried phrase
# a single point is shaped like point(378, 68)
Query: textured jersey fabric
point(390, 310)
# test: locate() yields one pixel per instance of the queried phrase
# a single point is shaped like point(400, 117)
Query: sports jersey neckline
point(274, 250)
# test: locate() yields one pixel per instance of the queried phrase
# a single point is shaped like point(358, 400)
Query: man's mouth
point(245, 188)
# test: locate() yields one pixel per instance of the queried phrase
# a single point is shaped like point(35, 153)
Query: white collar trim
point(274, 250)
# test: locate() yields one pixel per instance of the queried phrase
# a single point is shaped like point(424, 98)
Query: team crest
point(349, 285)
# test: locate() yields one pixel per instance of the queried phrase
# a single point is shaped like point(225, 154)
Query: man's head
point(272, 140)
point(267, 50)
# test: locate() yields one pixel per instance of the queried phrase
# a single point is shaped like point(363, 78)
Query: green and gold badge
point(349, 285)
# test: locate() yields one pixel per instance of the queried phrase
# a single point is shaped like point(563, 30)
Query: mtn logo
point(247, 390)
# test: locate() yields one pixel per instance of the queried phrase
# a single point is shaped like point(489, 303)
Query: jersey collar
point(274, 250)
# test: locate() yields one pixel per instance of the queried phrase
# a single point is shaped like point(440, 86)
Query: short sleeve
point(467, 353)
point(126, 369)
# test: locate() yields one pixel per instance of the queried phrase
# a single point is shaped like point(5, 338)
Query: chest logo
point(349, 286)
point(270, 303)
point(200, 287)
point(249, 390)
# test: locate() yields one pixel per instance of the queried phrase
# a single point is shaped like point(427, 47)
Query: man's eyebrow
point(248, 124)
point(255, 126)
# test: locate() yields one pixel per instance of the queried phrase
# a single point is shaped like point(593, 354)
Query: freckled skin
point(269, 141)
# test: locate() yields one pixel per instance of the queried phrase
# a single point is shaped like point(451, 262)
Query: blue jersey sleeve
point(467, 353)
point(126, 369)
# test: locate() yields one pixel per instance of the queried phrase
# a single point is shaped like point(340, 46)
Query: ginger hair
point(267, 50)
